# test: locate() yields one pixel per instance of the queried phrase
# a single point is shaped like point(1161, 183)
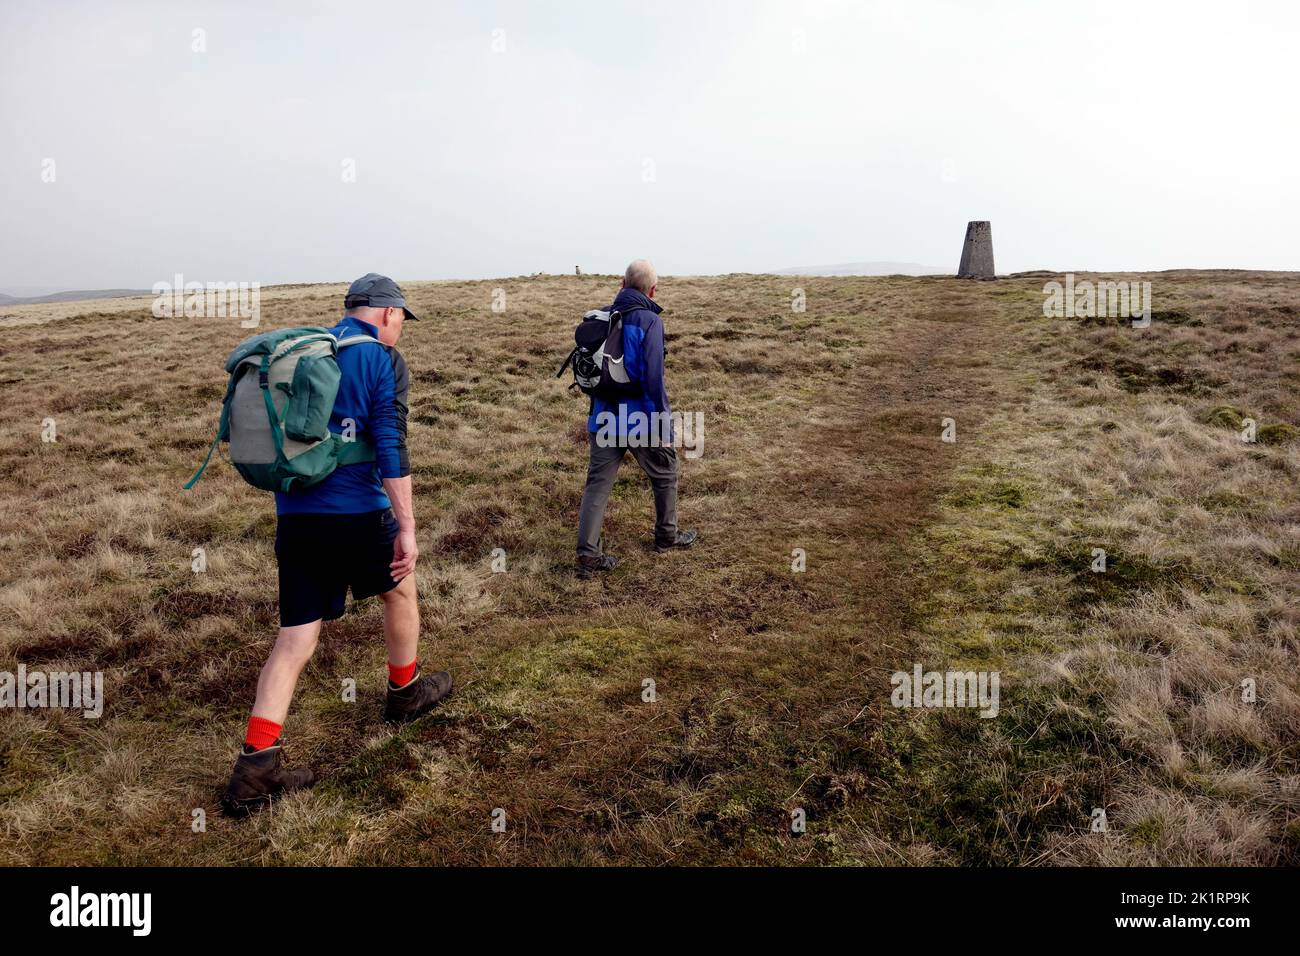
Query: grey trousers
point(660, 466)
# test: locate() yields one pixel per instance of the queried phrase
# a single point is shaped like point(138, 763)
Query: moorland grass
point(1121, 691)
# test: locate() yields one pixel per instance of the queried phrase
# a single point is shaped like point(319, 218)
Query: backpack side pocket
point(312, 390)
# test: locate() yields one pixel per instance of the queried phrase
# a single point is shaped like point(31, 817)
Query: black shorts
point(322, 555)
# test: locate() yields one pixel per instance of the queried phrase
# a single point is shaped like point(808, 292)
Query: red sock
point(262, 733)
point(401, 676)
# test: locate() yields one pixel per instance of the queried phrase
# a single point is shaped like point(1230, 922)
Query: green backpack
point(277, 408)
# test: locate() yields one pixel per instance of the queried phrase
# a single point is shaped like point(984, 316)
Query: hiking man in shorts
point(355, 529)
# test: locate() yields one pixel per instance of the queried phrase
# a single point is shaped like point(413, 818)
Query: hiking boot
point(259, 778)
point(418, 697)
point(684, 539)
point(590, 566)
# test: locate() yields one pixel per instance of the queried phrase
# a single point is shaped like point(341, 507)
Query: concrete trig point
point(977, 252)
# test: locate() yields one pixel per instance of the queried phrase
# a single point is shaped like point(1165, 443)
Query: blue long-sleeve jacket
point(373, 393)
point(643, 356)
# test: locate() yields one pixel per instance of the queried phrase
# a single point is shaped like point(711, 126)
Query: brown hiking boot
point(418, 697)
point(259, 778)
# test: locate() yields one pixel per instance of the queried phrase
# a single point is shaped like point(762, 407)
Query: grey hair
point(641, 275)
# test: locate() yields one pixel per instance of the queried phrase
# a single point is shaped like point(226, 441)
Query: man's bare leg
point(402, 622)
point(409, 693)
point(293, 649)
point(259, 774)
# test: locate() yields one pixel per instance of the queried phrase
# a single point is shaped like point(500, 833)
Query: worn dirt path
point(767, 700)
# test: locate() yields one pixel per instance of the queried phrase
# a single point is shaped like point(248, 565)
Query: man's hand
point(405, 552)
point(404, 548)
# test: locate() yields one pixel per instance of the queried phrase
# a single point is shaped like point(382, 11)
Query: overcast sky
point(502, 138)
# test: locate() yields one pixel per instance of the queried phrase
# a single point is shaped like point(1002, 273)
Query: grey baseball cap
point(378, 291)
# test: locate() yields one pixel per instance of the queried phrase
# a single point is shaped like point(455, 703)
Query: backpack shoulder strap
point(361, 450)
point(357, 340)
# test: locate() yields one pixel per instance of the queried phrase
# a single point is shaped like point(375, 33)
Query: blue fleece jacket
point(643, 356)
point(373, 393)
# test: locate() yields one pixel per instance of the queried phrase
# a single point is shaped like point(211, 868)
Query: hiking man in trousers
point(355, 529)
point(641, 425)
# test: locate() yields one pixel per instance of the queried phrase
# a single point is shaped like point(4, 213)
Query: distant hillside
point(865, 269)
point(74, 296)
